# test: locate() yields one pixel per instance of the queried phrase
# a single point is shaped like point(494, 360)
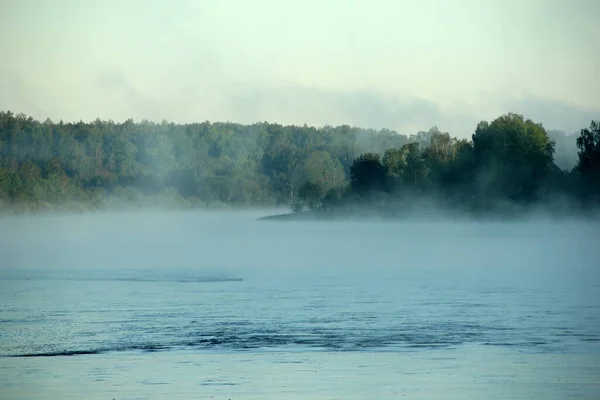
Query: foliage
point(588, 165)
point(367, 174)
point(509, 160)
point(309, 196)
point(514, 155)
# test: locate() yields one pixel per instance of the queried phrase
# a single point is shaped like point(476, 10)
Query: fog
point(430, 253)
point(322, 308)
point(404, 65)
point(237, 241)
point(198, 246)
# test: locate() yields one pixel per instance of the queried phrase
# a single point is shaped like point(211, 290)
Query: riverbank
point(436, 215)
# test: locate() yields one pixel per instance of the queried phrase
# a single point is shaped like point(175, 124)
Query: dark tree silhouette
point(367, 174)
point(588, 166)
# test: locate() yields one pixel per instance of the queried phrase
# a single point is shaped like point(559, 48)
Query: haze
point(404, 65)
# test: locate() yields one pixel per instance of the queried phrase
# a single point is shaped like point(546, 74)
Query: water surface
point(193, 305)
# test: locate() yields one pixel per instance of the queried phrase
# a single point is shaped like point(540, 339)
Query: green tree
point(310, 195)
point(513, 156)
point(320, 168)
point(367, 174)
point(588, 165)
point(508, 160)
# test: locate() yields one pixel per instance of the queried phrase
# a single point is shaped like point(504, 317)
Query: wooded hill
point(100, 164)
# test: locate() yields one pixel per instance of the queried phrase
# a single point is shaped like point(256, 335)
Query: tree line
point(508, 161)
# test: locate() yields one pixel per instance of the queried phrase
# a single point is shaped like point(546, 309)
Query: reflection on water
point(246, 309)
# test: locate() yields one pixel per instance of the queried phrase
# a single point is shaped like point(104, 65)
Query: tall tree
point(367, 174)
point(588, 165)
point(513, 155)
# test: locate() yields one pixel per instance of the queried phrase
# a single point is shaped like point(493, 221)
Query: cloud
point(554, 114)
point(113, 80)
point(126, 100)
point(367, 108)
point(113, 95)
point(17, 96)
point(371, 108)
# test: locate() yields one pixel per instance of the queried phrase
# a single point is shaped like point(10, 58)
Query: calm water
point(191, 305)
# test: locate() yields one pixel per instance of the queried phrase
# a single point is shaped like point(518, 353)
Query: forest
point(507, 165)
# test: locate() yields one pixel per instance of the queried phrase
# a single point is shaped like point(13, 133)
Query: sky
point(403, 65)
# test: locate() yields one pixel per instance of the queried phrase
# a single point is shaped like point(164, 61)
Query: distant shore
point(345, 214)
point(302, 216)
point(430, 216)
point(77, 207)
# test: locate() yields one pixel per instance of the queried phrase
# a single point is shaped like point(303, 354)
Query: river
point(193, 305)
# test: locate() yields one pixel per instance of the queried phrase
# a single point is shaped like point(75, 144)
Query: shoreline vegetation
point(508, 168)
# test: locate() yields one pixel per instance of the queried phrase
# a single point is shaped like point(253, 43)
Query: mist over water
point(170, 287)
